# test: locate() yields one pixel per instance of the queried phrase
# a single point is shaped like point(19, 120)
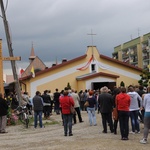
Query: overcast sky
point(59, 28)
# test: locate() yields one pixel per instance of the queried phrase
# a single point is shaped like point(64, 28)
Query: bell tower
point(32, 54)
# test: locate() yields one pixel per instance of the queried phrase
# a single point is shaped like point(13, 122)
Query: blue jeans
point(146, 125)
point(36, 114)
point(91, 114)
point(67, 119)
point(134, 120)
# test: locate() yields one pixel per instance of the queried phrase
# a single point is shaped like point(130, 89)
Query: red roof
point(120, 62)
point(56, 66)
point(80, 58)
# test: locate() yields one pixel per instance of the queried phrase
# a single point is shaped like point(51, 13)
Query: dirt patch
point(52, 137)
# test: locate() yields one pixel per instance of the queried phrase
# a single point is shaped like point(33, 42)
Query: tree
point(145, 78)
point(122, 84)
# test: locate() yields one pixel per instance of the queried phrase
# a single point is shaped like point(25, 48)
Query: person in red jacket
point(66, 102)
point(123, 104)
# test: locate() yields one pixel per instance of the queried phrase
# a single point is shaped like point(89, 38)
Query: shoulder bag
point(72, 109)
point(86, 104)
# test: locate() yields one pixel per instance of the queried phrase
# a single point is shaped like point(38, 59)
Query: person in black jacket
point(47, 104)
point(56, 102)
point(3, 114)
point(38, 109)
point(105, 101)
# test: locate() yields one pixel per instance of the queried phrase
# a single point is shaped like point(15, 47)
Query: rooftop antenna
point(138, 32)
point(91, 38)
point(56, 60)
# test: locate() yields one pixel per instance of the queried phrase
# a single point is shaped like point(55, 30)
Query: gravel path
point(84, 137)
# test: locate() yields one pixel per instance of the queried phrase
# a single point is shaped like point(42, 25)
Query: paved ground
point(84, 137)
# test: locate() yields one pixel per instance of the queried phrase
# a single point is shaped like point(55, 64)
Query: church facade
point(89, 71)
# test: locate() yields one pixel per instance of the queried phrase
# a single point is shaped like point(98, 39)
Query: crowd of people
point(116, 105)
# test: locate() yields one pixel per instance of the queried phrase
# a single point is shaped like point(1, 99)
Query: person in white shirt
point(146, 105)
point(76, 99)
point(134, 109)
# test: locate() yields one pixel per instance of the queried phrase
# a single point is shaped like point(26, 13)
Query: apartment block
point(135, 52)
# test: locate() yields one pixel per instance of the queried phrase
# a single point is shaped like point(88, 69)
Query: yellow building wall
point(81, 85)
point(59, 83)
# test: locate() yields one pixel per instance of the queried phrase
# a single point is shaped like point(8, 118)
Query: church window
point(93, 67)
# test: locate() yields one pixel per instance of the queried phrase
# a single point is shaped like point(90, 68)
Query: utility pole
point(1, 72)
point(9, 44)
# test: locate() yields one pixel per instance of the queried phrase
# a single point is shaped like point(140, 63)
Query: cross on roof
point(91, 38)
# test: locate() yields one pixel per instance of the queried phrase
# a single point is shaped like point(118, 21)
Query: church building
point(92, 70)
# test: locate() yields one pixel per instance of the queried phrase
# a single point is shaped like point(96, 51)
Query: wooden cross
point(1, 67)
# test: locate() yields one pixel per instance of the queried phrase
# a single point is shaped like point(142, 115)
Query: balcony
point(144, 47)
point(133, 54)
point(115, 56)
point(145, 57)
point(126, 60)
point(125, 56)
point(134, 63)
point(145, 66)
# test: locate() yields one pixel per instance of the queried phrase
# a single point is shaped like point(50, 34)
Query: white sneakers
point(131, 132)
point(143, 141)
point(134, 132)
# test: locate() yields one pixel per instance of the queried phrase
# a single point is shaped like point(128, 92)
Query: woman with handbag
point(66, 103)
point(115, 111)
point(91, 101)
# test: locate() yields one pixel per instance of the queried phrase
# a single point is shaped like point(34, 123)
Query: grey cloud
point(59, 28)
